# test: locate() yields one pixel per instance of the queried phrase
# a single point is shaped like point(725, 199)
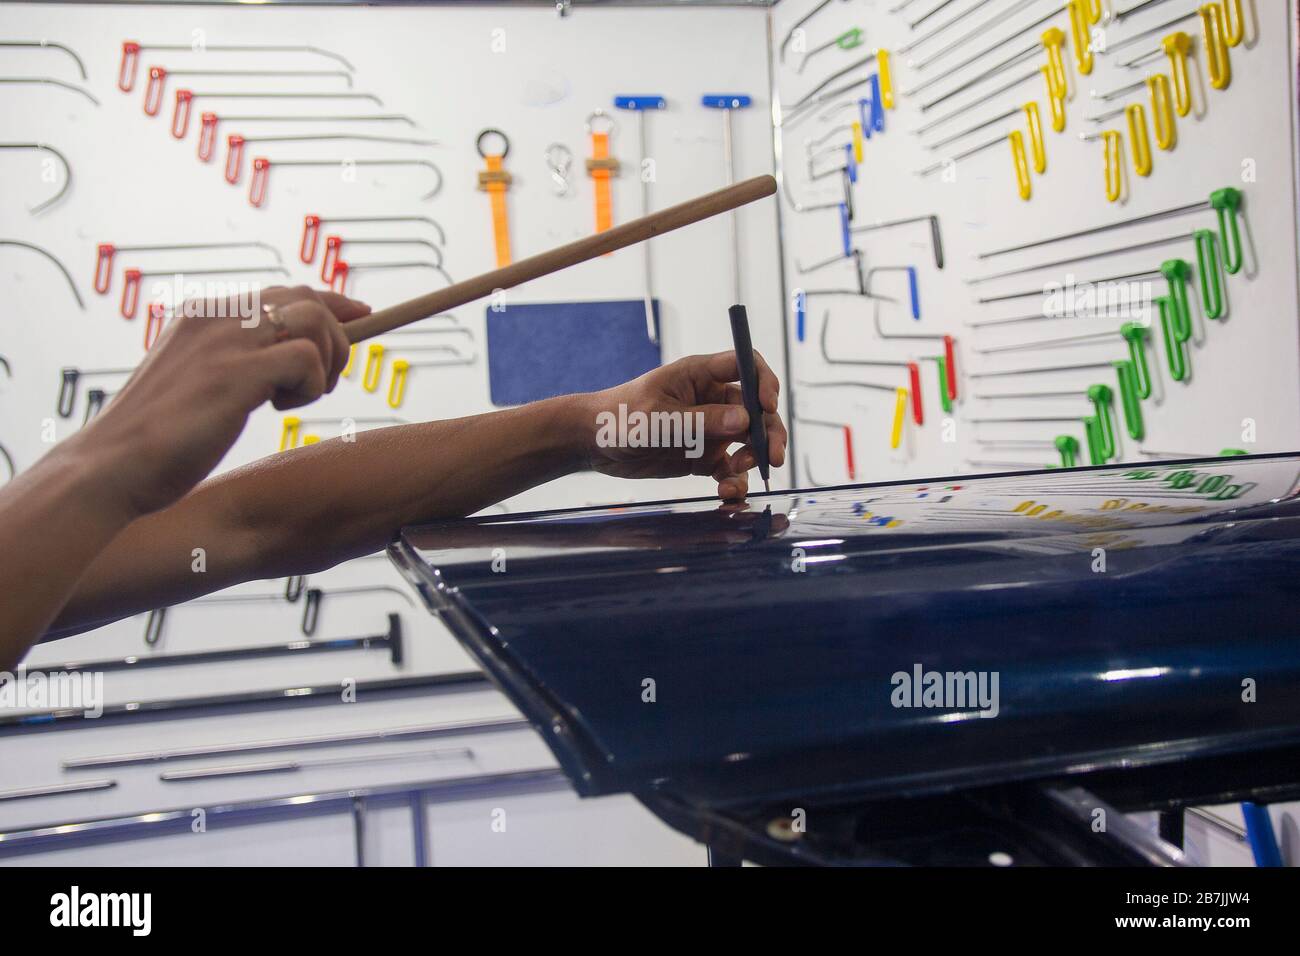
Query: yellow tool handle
point(900, 416)
point(1057, 103)
point(289, 432)
point(857, 141)
point(1176, 47)
point(1020, 161)
point(1137, 134)
point(1054, 41)
point(886, 72)
point(1035, 119)
point(1217, 63)
point(1162, 111)
point(1234, 22)
point(1110, 140)
point(1081, 34)
point(397, 384)
point(374, 367)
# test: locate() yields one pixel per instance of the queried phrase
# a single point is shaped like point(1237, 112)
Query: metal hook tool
point(936, 239)
point(334, 245)
point(131, 50)
point(259, 181)
point(67, 173)
point(311, 229)
point(559, 159)
point(900, 403)
point(794, 28)
point(184, 102)
point(70, 377)
point(913, 369)
point(235, 145)
point(48, 81)
point(105, 252)
point(342, 269)
point(54, 259)
point(132, 279)
point(47, 45)
point(153, 92)
point(641, 104)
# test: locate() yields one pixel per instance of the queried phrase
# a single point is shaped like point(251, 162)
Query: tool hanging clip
point(602, 167)
point(494, 180)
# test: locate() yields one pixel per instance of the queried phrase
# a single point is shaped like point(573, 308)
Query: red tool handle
point(914, 373)
point(339, 277)
point(126, 72)
point(331, 255)
point(848, 452)
point(207, 136)
point(153, 93)
point(310, 231)
point(258, 181)
point(181, 113)
point(130, 292)
point(152, 328)
point(950, 367)
point(234, 157)
point(103, 266)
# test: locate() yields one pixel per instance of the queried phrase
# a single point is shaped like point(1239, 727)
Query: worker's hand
point(189, 399)
point(693, 391)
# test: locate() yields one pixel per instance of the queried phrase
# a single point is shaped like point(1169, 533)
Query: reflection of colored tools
point(728, 102)
point(553, 260)
point(900, 403)
point(1226, 202)
point(640, 105)
point(494, 180)
point(602, 167)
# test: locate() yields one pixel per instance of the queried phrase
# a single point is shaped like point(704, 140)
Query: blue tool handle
point(749, 387)
point(800, 315)
point(877, 105)
point(850, 166)
point(725, 101)
point(914, 288)
point(646, 101)
point(1259, 832)
point(845, 236)
point(865, 117)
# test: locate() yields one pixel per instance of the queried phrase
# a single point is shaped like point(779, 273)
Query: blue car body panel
point(723, 654)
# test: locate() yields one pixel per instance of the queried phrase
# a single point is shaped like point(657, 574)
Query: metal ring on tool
point(599, 114)
point(492, 131)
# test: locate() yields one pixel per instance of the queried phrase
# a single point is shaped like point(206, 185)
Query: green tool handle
point(1178, 272)
point(1130, 398)
point(945, 399)
point(1102, 399)
point(1173, 344)
point(1068, 446)
point(1227, 202)
point(1207, 267)
point(1136, 336)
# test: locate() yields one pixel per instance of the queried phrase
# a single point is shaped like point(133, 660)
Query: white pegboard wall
point(1244, 385)
point(454, 71)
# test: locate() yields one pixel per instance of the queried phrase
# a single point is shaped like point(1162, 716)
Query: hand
point(189, 399)
point(698, 389)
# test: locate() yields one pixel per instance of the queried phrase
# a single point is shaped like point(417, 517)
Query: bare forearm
point(54, 520)
point(311, 508)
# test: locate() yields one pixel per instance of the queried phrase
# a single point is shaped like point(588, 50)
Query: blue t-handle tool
point(728, 102)
point(640, 103)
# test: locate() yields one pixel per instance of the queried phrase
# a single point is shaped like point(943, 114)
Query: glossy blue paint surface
point(1125, 611)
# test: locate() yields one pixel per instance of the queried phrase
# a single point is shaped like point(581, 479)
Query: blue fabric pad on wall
point(556, 348)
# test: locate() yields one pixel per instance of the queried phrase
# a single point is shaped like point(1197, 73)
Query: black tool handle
point(749, 387)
